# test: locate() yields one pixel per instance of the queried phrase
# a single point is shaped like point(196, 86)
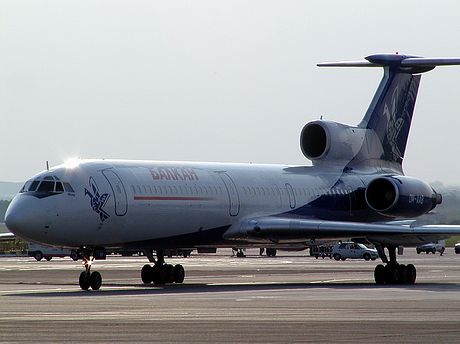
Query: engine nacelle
point(330, 141)
point(401, 196)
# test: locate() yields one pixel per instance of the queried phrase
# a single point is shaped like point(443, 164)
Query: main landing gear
point(162, 273)
point(393, 272)
point(87, 278)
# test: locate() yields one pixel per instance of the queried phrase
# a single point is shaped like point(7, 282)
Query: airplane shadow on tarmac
point(192, 288)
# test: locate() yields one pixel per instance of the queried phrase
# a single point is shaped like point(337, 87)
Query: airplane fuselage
point(152, 203)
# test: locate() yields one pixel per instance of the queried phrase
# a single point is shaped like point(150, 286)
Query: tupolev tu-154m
point(355, 188)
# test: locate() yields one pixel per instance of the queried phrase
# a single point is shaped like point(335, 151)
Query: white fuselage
point(121, 202)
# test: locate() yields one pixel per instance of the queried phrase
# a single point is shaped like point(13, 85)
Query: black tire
point(158, 274)
point(48, 258)
point(366, 256)
point(402, 274)
point(373, 258)
point(392, 274)
point(84, 280)
point(411, 274)
point(271, 252)
point(433, 250)
point(337, 256)
point(95, 280)
point(38, 256)
point(379, 274)
point(418, 251)
point(147, 274)
point(179, 273)
point(169, 273)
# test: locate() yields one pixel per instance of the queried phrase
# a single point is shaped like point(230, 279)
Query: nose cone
point(25, 218)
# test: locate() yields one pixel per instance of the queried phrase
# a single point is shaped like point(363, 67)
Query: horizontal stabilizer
point(402, 62)
point(362, 63)
point(430, 62)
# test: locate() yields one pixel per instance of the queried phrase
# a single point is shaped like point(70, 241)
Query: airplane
point(354, 188)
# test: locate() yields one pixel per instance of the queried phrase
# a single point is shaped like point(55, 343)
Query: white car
point(353, 251)
point(432, 247)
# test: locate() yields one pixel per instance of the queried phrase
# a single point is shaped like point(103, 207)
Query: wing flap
point(285, 230)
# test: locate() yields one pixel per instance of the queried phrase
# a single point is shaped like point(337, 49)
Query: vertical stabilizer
point(389, 116)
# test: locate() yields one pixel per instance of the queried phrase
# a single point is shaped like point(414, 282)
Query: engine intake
point(401, 196)
point(330, 141)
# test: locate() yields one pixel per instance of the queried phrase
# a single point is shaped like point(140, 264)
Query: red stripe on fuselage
point(170, 198)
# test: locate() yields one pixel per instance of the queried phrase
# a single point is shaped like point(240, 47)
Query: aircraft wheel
point(158, 274)
point(147, 274)
point(168, 273)
point(379, 274)
point(411, 274)
point(402, 274)
point(392, 274)
point(84, 280)
point(95, 280)
point(179, 273)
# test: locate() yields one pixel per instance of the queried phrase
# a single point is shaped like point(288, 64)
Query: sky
point(227, 80)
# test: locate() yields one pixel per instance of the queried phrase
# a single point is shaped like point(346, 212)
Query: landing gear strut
point(162, 273)
point(87, 278)
point(393, 272)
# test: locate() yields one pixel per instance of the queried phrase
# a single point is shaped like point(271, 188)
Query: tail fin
point(390, 113)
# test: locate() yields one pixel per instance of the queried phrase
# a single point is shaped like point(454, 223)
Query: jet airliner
point(355, 188)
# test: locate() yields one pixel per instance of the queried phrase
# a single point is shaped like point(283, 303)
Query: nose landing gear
point(87, 278)
point(162, 273)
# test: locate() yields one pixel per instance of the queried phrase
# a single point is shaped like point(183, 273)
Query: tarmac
point(290, 298)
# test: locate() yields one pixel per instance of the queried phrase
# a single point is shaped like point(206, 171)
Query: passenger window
point(46, 186)
point(68, 188)
point(59, 187)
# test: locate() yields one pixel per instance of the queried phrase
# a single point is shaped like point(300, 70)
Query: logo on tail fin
point(394, 126)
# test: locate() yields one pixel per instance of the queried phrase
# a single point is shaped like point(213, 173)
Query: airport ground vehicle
point(353, 251)
point(48, 252)
point(457, 248)
point(322, 251)
point(432, 247)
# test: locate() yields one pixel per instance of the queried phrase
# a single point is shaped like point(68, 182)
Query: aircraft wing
point(277, 229)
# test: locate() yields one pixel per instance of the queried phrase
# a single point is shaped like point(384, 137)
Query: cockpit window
point(26, 187)
point(34, 185)
point(59, 187)
point(68, 188)
point(46, 186)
